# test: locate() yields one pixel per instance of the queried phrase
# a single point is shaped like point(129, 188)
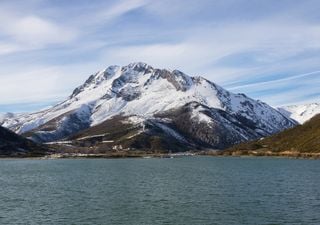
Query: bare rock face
point(168, 110)
point(211, 128)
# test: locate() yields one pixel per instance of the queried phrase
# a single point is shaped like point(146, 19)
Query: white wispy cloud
point(25, 32)
point(276, 81)
point(36, 31)
point(118, 9)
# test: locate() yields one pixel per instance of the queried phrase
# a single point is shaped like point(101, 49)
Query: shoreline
point(282, 154)
point(141, 155)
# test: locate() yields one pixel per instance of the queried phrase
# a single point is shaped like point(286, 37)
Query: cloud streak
point(263, 84)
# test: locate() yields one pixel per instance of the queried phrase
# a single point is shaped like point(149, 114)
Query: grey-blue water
point(192, 190)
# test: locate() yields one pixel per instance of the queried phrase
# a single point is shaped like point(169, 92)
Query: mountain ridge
point(301, 113)
point(141, 93)
point(12, 144)
point(303, 138)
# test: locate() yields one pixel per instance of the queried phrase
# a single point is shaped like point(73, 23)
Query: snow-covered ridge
point(141, 90)
point(4, 116)
point(301, 113)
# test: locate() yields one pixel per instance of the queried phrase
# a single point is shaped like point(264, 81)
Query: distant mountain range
point(141, 107)
point(301, 113)
point(303, 138)
point(12, 144)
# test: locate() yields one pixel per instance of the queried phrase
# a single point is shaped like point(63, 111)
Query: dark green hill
point(13, 145)
point(302, 139)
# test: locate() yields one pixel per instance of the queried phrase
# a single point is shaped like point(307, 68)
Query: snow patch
point(198, 114)
point(92, 136)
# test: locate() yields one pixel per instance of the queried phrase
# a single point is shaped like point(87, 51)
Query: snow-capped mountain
point(169, 105)
point(301, 113)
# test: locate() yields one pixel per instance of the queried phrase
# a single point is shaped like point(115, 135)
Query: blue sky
point(267, 49)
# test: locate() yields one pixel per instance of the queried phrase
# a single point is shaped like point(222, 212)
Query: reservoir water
point(189, 190)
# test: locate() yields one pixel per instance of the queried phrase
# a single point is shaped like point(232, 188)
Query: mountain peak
point(140, 90)
point(130, 77)
point(138, 66)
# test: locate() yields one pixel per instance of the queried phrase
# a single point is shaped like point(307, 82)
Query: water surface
point(191, 190)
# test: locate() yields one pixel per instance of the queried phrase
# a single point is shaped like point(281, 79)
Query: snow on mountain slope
point(141, 90)
point(5, 116)
point(301, 113)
